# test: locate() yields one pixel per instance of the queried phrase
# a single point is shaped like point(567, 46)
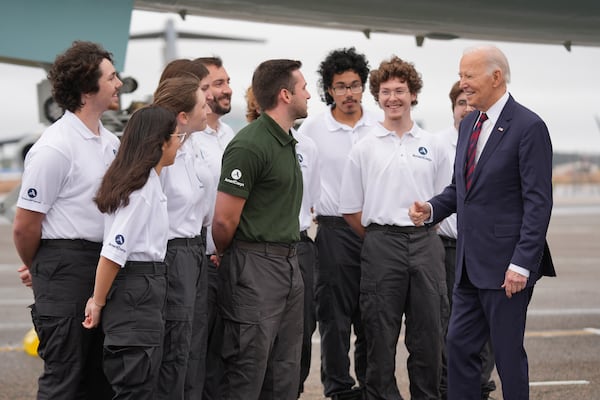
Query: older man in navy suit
point(502, 194)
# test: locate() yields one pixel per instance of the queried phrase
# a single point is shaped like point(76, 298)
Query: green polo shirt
point(260, 165)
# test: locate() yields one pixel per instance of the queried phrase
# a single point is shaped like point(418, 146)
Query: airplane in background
point(170, 35)
point(574, 23)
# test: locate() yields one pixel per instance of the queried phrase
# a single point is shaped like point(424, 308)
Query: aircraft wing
point(575, 22)
point(59, 22)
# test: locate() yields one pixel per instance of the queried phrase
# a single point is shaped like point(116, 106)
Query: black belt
point(73, 244)
point(448, 241)
point(185, 242)
point(332, 222)
point(144, 268)
point(277, 249)
point(396, 228)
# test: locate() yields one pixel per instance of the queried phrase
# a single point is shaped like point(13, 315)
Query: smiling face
point(395, 99)
point(107, 96)
point(482, 83)
point(220, 89)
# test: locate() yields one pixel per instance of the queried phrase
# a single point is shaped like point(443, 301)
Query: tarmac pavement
point(563, 329)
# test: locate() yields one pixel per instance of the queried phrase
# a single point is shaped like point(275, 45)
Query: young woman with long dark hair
point(130, 287)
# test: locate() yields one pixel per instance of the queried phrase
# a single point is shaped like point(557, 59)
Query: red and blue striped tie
point(472, 150)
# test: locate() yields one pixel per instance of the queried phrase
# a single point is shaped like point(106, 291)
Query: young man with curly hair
point(402, 265)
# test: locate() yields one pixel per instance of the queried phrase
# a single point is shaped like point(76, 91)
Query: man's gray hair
point(495, 59)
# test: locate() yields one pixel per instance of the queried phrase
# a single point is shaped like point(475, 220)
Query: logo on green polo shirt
point(236, 174)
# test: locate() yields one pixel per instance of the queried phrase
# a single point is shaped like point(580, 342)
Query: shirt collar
point(333, 125)
point(210, 131)
point(494, 111)
point(283, 137)
point(381, 131)
point(81, 128)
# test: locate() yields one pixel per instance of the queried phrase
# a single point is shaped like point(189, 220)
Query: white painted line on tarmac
point(561, 333)
point(563, 311)
point(558, 383)
point(595, 331)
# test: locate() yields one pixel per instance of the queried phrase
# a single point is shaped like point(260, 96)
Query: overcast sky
point(562, 87)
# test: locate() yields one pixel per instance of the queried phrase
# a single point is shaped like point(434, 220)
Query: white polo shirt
point(308, 158)
point(209, 197)
point(449, 137)
point(386, 173)
point(210, 145)
point(208, 148)
point(187, 194)
point(334, 142)
point(138, 231)
point(63, 171)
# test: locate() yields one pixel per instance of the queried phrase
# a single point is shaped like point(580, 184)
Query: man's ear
point(285, 95)
point(497, 77)
point(330, 91)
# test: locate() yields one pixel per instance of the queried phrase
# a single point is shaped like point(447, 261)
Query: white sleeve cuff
point(519, 270)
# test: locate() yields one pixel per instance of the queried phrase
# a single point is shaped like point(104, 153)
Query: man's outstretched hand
point(419, 212)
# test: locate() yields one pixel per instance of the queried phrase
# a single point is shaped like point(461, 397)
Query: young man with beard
point(308, 158)
point(210, 144)
point(343, 73)
point(255, 228)
point(58, 230)
point(402, 268)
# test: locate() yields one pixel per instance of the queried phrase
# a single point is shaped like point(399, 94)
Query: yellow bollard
point(31, 342)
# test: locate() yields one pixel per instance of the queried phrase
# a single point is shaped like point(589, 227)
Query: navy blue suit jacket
point(504, 216)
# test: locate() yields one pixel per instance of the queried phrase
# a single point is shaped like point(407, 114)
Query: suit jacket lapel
point(500, 129)
point(465, 129)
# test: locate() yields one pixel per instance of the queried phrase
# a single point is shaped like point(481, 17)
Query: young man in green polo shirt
point(254, 228)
